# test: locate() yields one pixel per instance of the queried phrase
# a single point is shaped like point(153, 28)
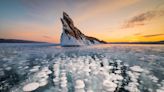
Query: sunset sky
point(108, 20)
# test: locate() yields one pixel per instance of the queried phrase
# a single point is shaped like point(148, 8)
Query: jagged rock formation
point(72, 36)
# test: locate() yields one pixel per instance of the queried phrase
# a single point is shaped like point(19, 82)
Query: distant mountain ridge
point(72, 36)
point(18, 41)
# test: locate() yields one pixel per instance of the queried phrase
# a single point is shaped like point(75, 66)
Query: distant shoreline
point(158, 42)
point(28, 41)
point(18, 41)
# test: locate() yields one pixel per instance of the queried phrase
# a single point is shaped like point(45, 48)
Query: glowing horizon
point(108, 20)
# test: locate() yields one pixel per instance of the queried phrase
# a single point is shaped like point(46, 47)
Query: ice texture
point(99, 68)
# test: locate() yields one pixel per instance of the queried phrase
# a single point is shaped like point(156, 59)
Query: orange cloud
point(142, 18)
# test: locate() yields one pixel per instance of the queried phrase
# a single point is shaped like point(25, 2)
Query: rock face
point(72, 36)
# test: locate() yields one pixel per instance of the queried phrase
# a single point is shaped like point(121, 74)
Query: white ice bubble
point(43, 82)
point(34, 70)
point(48, 72)
point(153, 78)
point(160, 90)
point(79, 90)
point(90, 90)
point(118, 71)
point(109, 86)
point(56, 80)
point(118, 61)
point(79, 84)
point(37, 67)
point(63, 78)
point(132, 87)
point(42, 75)
point(118, 77)
point(136, 69)
point(8, 68)
point(63, 85)
point(31, 87)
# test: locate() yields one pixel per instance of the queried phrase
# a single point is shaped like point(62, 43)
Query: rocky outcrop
point(72, 36)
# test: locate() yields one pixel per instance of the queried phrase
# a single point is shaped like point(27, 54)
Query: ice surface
point(136, 69)
point(101, 68)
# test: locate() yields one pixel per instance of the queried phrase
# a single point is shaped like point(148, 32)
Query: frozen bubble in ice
point(63, 78)
point(56, 80)
point(93, 68)
point(79, 84)
point(109, 86)
point(136, 69)
point(79, 90)
point(63, 71)
point(42, 75)
point(119, 77)
point(150, 90)
point(45, 69)
point(43, 82)
point(46, 77)
point(160, 90)
point(56, 66)
point(126, 65)
point(26, 67)
point(86, 69)
point(134, 80)
point(136, 74)
point(118, 61)
point(89, 90)
point(118, 72)
point(63, 74)
point(34, 70)
point(146, 71)
point(105, 62)
point(8, 68)
point(37, 67)
point(95, 72)
point(132, 87)
point(64, 82)
point(110, 67)
point(110, 89)
point(101, 69)
point(48, 72)
point(63, 85)
point(153, 78)
point(31, 87)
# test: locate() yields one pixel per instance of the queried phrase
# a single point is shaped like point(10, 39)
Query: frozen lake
point(98, 68)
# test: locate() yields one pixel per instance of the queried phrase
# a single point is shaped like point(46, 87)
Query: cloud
point(153, 35)
point(47, 37)
point(142, 18)
point(137, 34)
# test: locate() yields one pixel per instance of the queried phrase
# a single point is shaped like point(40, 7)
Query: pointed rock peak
point(65, 14)
point(67, 18)
point(72, 36)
